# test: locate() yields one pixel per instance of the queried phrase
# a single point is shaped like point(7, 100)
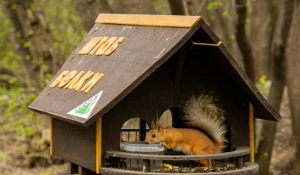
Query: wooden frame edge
point(51, 136)
point(251, 132)
point(98, 144)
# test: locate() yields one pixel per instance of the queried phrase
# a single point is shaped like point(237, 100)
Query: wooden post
point(51, 136)
point(251, 132)
point(98, 144)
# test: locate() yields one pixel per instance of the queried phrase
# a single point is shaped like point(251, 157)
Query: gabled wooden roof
point(150, 40)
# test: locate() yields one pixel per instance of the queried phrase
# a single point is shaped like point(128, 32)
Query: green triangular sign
point(85, 109)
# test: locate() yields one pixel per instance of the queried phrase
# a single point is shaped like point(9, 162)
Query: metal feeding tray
point(154, 160)
point(143, 147)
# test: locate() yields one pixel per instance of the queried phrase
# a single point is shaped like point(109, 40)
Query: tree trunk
point(277, 87)
point(89, 10)
point(242, 39)
point(176, 7)
point(196, 7)
point(293, 84)
point(225, 23)
point(273, 10)
point(259, 36)
point(32, 39)
point(134, 6)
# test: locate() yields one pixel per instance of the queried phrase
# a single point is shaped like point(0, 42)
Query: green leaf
point(13, 6)
point(26, 44)
point(2, 157)
point(214, 5)
point(260, 137)
point(226, 14)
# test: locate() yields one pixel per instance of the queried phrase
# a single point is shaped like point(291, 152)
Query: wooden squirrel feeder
point(136, 66)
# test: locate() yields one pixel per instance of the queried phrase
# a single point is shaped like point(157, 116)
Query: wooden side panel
point(148, 20)
point(75, 143)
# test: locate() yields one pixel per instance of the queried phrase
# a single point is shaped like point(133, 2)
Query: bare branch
point(242, 39)
point(176, 7)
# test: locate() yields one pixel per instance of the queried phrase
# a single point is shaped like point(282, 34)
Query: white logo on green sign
point(85, 109)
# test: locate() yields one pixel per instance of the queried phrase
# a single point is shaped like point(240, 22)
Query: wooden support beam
point(251, 132)
point(98, 144)
point(207, 44)
point(148, 20)
point(51, 136)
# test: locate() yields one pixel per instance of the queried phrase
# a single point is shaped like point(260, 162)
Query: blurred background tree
point(38, 35)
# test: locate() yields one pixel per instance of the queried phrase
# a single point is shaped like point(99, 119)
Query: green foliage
point(19, 124)
point(16, 115)
point(226, 14)
point(214, 5)
point(66, 28)
point(47, 172)
point(162, 7)
point(2, 157)
point(260, 137)
point(230, 38)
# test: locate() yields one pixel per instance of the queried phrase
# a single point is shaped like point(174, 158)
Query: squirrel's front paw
point(163, 143)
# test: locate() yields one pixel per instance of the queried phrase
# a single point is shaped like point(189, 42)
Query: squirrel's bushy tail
point(201, 112)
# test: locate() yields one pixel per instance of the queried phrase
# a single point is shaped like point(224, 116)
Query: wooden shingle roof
point(150, 40)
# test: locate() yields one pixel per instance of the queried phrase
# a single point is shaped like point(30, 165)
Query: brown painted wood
point(75, 143)
point(182, 53)
point(142, 102)
point(200, 73)
point(143, 51)
point(262, 107)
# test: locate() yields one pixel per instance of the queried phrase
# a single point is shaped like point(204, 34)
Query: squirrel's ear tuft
point(157, 121)
point(152, 126)
point(158, 127)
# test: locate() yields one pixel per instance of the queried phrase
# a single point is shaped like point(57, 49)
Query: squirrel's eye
point(153, 135)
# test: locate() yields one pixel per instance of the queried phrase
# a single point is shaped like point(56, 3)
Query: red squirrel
point(206, 135)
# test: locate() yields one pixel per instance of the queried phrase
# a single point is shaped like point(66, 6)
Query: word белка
point(101, 45)
point(68, 80)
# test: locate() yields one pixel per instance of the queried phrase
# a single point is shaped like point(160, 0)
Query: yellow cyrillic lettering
point(92, 82)
point(67, 78)
point(58, 79)
point(89, 46)
point(78, 85)
point(103, 39)
point(74, 80)
point(106, 45)
point(114, 46)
